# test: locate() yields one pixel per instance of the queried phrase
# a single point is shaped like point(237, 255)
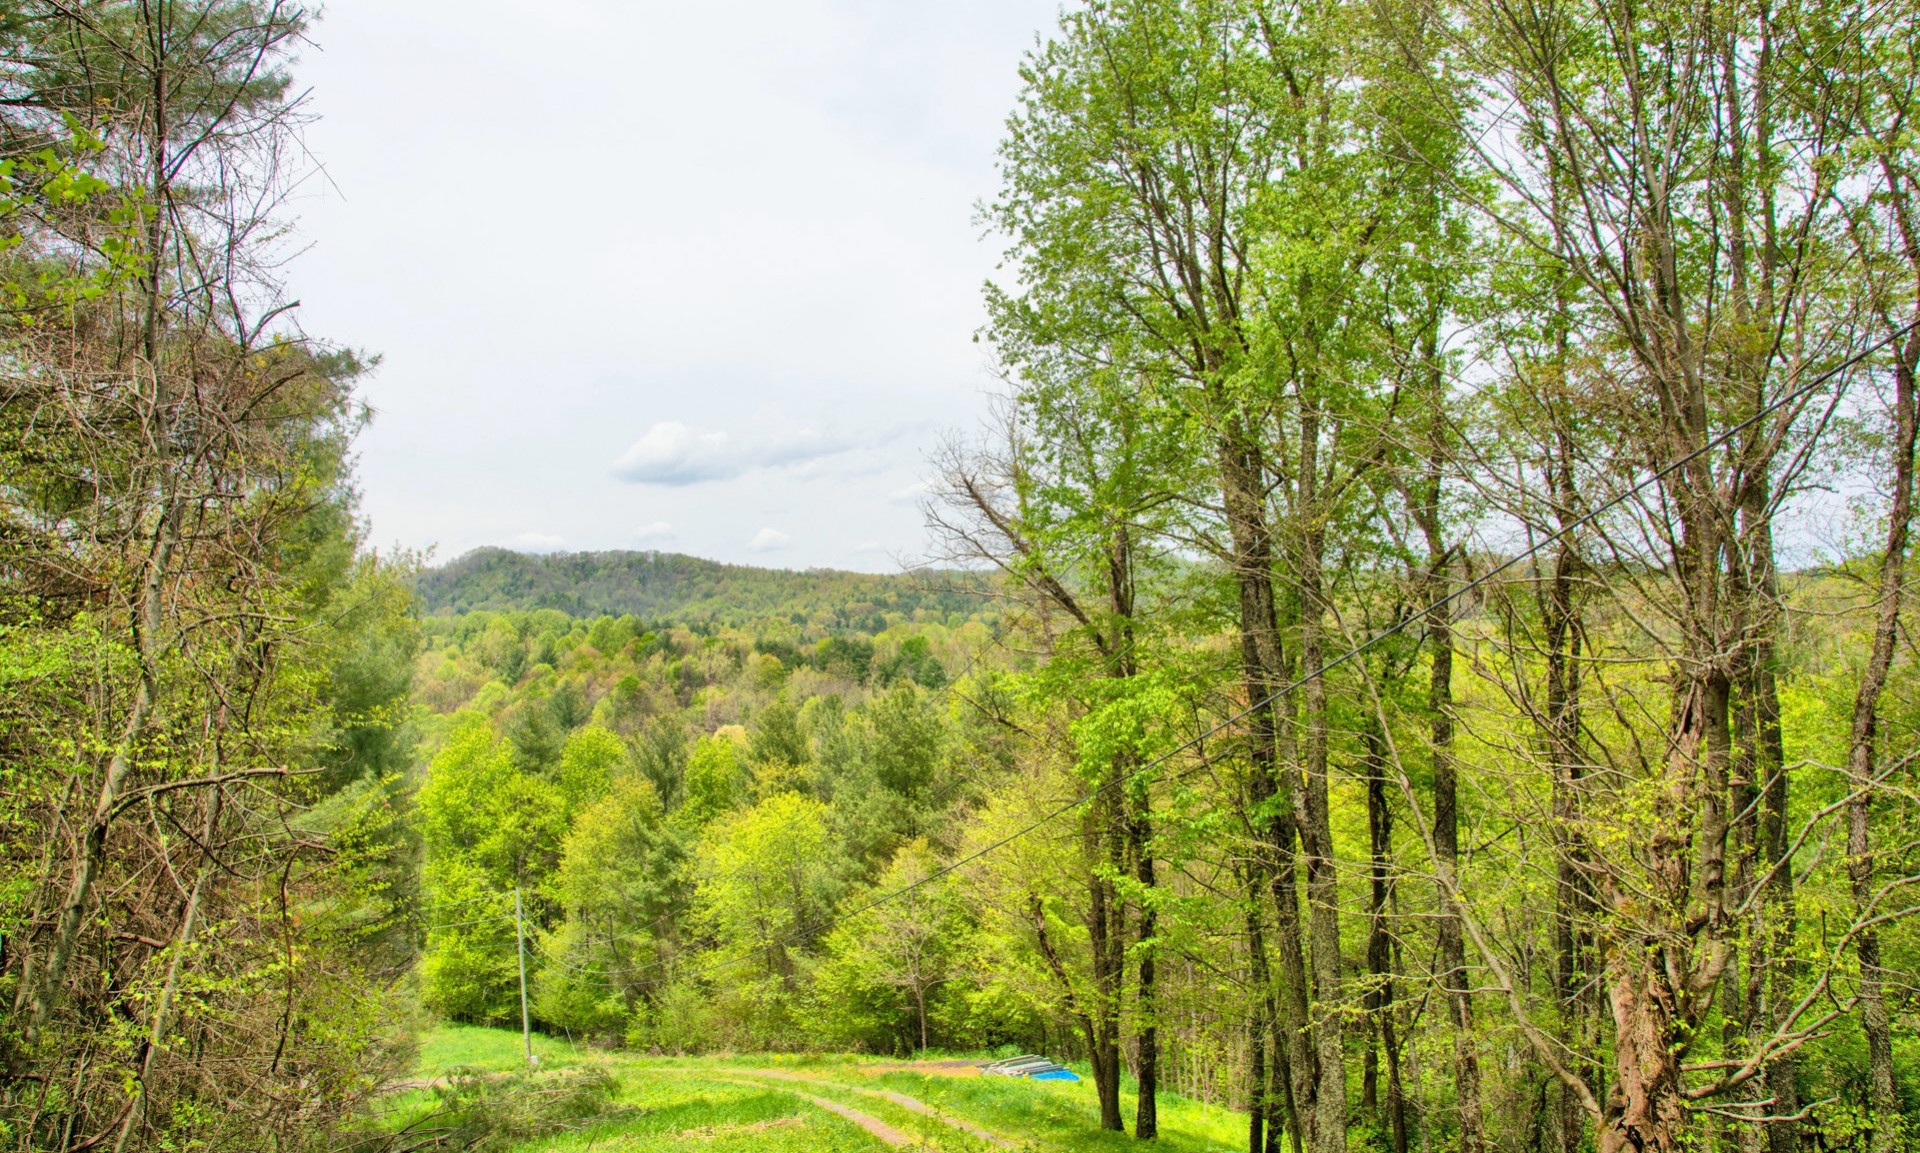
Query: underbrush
point(479, 1111)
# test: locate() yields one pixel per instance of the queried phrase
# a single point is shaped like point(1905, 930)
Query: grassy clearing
point(715, 1104)
point(494, 1050)
point(678, 1112)
point(1058, 1115)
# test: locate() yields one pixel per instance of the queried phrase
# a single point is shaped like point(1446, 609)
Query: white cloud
point(869, 547)
point(536, 542)
point(657, 531)
point(769, 539)
point(910, 493)
point(672, 454)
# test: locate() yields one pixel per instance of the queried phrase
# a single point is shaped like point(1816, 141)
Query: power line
point(465, 924)
point(1350, 655)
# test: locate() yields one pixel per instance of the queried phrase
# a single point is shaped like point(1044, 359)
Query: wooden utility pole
point(520, 941)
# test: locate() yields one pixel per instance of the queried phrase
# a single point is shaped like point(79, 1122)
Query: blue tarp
point(1032, 1067)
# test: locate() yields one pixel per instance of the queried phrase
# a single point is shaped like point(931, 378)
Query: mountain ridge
point(658, 585)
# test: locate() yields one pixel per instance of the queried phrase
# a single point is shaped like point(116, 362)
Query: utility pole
point(520, 940)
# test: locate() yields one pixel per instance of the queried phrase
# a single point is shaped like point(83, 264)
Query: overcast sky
point(701, 277)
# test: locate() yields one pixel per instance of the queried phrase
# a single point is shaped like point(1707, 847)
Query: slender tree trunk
point(1264, 667)
point(1760, 784)
point(1378, 1001)
point(1861, 760)
point(1380, 997)
point(1396, 1096)
point(1446, 839)
point(150, 621)
point(1280, 1090)
point(1573, 892)
point(1097, 1054)
point(1146, 1120)
point(1316, 830)
point(1446, 833)
point(163, 1010)
point(1258, 1099)
point(1106, 929)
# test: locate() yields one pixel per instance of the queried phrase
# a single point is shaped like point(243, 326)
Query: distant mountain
point(660, 586)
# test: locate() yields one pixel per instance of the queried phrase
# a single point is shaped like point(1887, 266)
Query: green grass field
point(586, 1101)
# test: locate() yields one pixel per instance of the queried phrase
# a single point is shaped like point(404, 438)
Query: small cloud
point(658, 530)
point(769, 539)
point(670, 453)
point(910, 493)
point(870, 546)
point(796, 446)
point(536, 542)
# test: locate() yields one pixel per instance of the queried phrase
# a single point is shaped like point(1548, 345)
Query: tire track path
point(910, 1104)
point(873, 1125)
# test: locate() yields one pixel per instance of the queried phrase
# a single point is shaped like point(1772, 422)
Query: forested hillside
point(689, 590)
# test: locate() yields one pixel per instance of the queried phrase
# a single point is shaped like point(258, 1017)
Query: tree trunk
point(1446, 834)
point(1761, 784)
point(1264, 670)
point(1105, 1074)
point(1258, 1099)
point(1316, 830)
point(1573, 892)
point(1106, 930)
point(1146, 1120)
point(1861, 760)
point(149, 622)
point(1644, 1113)
point(1380, 999)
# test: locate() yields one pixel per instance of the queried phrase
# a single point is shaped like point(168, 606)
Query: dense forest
point(202, 669)
point(1421, 658)
point(689, 590)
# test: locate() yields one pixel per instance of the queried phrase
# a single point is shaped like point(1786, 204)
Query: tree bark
point(1643, 1111)
point(1861, 759)
point(1380, 998)
point(1097, 1054)
point(150, 621)
point(1106, 927)
point(1258, 1099)
point(1573, 891)
point(1146, 1120)
point(1438, 641)
point(1264, 670)
point(1316, 829)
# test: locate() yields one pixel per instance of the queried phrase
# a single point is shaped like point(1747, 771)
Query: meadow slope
point(473, 1080)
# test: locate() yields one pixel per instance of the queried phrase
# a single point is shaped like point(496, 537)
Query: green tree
point(715, 781)
point(588, 762)
point(487, 828)
point(903, 947)
point(621, 883)
point(766, 880)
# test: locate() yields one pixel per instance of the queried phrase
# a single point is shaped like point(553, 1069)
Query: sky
point(697, 276)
